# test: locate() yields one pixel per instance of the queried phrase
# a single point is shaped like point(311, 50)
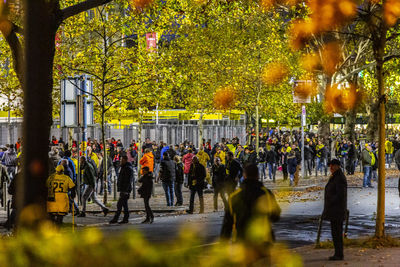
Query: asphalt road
point(297, 227)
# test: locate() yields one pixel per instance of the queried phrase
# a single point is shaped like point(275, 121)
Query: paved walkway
point(353, 257)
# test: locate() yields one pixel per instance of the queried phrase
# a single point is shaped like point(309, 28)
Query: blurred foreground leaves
point(51, 247)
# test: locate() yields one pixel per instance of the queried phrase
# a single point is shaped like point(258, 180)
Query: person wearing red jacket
point(187, 161)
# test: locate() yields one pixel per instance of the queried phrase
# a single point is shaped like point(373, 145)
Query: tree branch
point(126, 86)
point(16, 51)
point(81, 7)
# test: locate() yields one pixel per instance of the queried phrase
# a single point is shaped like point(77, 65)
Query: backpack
point(91, 162)
point(166, 173)
point(10, 159)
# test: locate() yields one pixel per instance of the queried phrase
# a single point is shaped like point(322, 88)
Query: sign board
point(300, 99)
point(151, 41)
point(76, 101)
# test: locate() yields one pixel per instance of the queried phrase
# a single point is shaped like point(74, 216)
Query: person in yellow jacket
point(220, 154)
point(388, 152)
point(58, 186)
point(93, 156)
point(203, 159)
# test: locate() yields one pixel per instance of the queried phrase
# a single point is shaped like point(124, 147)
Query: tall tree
point(33, 64)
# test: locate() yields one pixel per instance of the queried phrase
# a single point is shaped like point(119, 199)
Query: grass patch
point(370, 242)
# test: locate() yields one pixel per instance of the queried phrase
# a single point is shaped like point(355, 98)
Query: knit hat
point(60, 169)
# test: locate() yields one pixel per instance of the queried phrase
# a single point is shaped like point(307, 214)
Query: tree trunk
point(372, 126)
point(105, 156)
point(140, 144)
point(350, 124)
point(40, 31)
point(201, 129)
point(257, 131)
point(324, 130)
point(249, 126)
point(379, 51)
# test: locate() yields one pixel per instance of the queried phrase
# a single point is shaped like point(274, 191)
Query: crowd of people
point(213, 165)
point(235, 172)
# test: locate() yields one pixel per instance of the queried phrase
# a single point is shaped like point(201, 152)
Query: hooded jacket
point(125, 178)
point(167, 170)
point(251, 206)
point(187, 161)
point(147, 161)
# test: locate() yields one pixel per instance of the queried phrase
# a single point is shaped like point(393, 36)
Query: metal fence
point(169, 132)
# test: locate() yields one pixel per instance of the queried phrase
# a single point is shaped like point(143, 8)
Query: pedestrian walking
point(196, 180)
point(284, 158)
point(147, 160)
point(167, 177)
point(89, 180)
point(145, 192)
point(179, 178)
point(335, 206)
point(271, 157)
point(292, 166)
point(261, 163)
point(368, 160)
point(252, 210)
point(321, 156)
point(110, 166)
point(218, 182)
point(124, 187)
point(233, 173)
point(187, 160)
point(58, 186)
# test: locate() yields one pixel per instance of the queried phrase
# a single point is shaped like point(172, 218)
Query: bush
point(51, 247)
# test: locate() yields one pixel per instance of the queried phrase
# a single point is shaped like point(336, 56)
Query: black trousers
point(56, 218)
point(149, 212)
point(337, 236)
point(178, 193)
point(199, 190)
point(122, 203)
point(284, 171)
point(219, 190)
point(308, 166)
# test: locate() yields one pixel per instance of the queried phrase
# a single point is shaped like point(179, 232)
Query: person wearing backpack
point(10, 161)
point(89, 179)
point(167, 177)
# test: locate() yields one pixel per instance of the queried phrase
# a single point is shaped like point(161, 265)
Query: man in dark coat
point(218, 182)
point(196, 181)
point(124, 187)
point(352, 157)
point(233, 170)
point(167, 177)
point(145, 192)
point(271, 157)
point(335, 206)
point(251, 207)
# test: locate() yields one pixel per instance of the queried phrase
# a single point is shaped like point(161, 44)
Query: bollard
point(319, 231)
point(4, 203)
point(114, 181)
point(8, 216)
